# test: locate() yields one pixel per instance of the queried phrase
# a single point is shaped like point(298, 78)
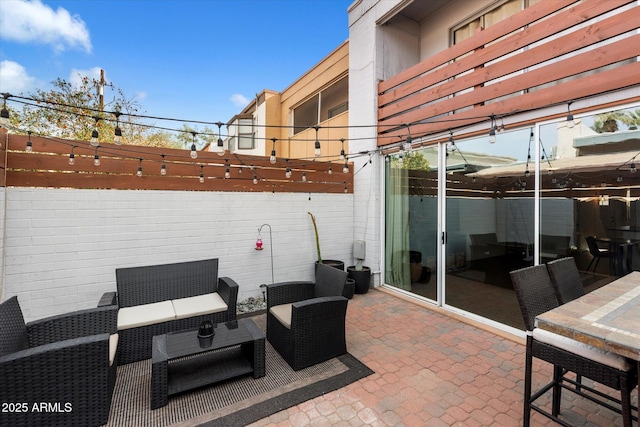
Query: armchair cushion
point(144, 315)
point(198, 305)
point(283, 314)
point(113, 347)
point(329, 282)
point(14, 335)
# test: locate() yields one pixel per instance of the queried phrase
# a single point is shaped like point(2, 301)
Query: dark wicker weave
point(535, 295)
point(565, 279)
point(317, 321)
point(63, 364)
point(155, 283)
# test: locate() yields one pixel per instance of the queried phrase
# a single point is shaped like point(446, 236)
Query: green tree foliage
point(69, 111)
point(413, 160)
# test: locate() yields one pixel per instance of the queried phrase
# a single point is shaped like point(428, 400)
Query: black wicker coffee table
point(182, 361)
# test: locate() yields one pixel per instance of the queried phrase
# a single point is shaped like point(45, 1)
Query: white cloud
point(239, 100)
point(75, 76)
point(141, 95)
point(31, 21)
point(14, 78)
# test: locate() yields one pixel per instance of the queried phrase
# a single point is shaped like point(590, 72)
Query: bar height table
point(607, 318)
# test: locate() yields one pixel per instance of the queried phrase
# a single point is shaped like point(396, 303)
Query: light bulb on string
point(94, 134)
point(272, 158)
point(194, 153)
point(139, 171)
point(72, 157)
point(632, 168)
point(220, 147)
point(4, 113)
point(163, 168)
point(96, 157)
point(570, 121)
point(330, 171)
point(255, 178)
point(117, 138)
point(317, 152)
point(29, 147)
point(304, 176)
point(201, 174)
point(342, 154)
point(227, 172)
point(345, 168)
point(287, 173)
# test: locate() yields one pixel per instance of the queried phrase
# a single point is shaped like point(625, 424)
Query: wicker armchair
point(536, 295)
point(565, 279)
point(306, 320)
point(60, 370)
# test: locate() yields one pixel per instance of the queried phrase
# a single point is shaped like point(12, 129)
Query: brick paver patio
point(431, 370)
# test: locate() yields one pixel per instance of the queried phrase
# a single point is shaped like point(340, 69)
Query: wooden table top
point(607, 318)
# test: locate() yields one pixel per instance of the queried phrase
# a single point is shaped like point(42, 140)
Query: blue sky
point(190, 59)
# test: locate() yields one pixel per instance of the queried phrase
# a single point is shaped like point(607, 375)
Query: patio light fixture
point(201, 174)
point(345, 168)
point(220, 141)
point(227, 172)
point(287, 172)
point(633, 168)
point(72, 157)
point(29, 147)
point(4, 113)
point(96, 157)
point(406, 146)
point(255, 178)
point(272, 158)
point(342, 155)
point(194, 153)
point(163, 168)
point(94, 134)
point(570, 122)
point(117, 138)
point(139, 172)
point(317, 152)
point(492, 131)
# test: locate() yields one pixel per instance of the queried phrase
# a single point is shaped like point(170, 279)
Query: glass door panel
point(489, 223)
point(411, 221)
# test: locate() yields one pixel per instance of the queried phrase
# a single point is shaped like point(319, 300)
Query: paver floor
point(432, 370)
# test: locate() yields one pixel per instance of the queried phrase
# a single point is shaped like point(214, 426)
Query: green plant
point(315, 228)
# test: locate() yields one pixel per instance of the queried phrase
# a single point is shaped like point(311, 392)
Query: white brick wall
point(62, 246)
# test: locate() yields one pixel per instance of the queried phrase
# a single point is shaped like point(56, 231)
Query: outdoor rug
point(232, 403)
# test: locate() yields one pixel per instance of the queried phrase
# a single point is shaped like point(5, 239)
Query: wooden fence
point(48, 165)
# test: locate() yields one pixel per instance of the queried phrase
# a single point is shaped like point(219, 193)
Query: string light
point(163, 168)
point(304, 176)
point(94, 134)
point(345, 168)
point(139, 172)
point(29, 147)
point(287, 172)
point(272, 158)
point(330, 171)
point(255, 178)
point(201, 174)
point(451, 145)
point(227, 172)
point(194, 153)
point(220, 141)
point(72, 157)
point(408, 141)
point(317, 152)
point(492, 131)
point(570, 121)
point(342, 154)
point(96, 158)
point(4, 113)
point(117, 138)
point(633, 168)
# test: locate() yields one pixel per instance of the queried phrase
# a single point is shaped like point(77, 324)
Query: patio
point(431, 369)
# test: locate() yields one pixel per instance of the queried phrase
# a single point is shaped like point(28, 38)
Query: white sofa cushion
point(585, 350)
point(113, 346)
point(198, 305)
point(283, 314)
point(144, 315)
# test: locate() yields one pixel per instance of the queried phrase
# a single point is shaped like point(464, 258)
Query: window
point(322, 106)
point(487, 19)
point(245, 134)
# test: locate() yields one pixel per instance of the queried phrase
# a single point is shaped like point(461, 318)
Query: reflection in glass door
point(411, 219)
point(489, 223)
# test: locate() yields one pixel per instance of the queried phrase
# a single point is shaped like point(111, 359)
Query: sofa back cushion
point(13, 336)
point(165, 282)
point(330, 281)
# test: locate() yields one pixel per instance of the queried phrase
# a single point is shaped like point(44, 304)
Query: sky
point(201, 60)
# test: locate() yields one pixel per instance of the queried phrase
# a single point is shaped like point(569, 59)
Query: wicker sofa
point(157, 299)
point(57, 371)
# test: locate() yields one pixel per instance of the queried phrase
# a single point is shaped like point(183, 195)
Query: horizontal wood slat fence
point(551, 53)
point(47, 165)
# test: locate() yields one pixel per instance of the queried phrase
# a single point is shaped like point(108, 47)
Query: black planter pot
point(349, 288)
point(333, 263)
point(361, 277)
